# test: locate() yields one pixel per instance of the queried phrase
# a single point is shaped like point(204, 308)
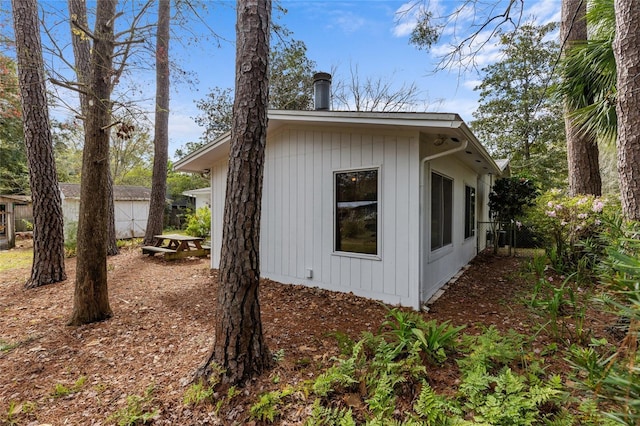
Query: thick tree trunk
point(155, 221)
point(239, 345)
point(582, 149)
point(91, 299)
point(627, 54)
point(48, 230)
point(82, 55)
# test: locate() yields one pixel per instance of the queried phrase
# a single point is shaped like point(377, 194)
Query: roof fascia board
point(219, 141)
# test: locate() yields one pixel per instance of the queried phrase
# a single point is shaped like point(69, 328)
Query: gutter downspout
point(423, 204)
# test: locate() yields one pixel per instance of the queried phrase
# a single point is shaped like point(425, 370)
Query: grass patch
point(15, 259)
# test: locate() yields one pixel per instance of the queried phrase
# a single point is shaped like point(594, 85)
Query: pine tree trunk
point(239, 345)
point(582, 149)
point(112, 241)
point(91, 299)
point(627, 53)
point(82, 56)
point(48, 230)
point(155, 221)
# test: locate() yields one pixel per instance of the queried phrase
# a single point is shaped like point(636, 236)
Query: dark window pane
point(436, 211)
point(357, 211)
point(441, 211)
point(447, 215)
point(469, 212)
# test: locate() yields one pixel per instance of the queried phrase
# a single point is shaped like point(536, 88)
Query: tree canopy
point(14, 175)
point(517, 117)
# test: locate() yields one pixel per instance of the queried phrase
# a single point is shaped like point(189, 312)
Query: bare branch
point(71, 85)
point(85, 30)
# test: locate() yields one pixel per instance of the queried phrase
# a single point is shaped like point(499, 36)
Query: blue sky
point(370, 34)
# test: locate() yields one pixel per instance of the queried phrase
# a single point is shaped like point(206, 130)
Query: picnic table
point(177, 246)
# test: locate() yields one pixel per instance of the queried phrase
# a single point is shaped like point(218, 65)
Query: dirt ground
point(162, 330)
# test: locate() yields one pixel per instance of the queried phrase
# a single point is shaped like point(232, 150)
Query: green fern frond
point(431, 407)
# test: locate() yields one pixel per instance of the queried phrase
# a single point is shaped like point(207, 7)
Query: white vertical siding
point(440, 265)
point(218, 190)
point(298, 212)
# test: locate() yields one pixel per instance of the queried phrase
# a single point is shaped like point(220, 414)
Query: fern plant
point(432, 408)
point(491, 348)
point(507, 398)
point(267, 407)
point(327, 416)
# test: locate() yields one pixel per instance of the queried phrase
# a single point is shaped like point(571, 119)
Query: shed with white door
point(383, 205)
point(131, 208)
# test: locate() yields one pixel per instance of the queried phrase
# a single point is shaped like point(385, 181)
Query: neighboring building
point(13, 210)
point(202, 196)
point(131, 208)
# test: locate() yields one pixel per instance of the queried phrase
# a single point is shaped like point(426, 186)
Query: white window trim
point(338, 253)
point(435, 254)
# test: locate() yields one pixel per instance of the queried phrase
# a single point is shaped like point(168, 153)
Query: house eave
point(425, 122)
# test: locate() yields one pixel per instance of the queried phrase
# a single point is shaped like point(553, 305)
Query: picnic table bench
point(177, 246)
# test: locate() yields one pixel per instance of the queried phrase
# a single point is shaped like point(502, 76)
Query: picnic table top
point(178, 237)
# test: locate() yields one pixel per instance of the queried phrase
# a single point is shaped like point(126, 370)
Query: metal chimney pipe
point(322, 91)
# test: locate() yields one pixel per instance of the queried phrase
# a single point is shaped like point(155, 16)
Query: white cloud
point(544, 11)
point(471, 84)
point(406, 16)
point(347, 22)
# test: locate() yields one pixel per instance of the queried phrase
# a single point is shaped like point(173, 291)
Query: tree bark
point(48, 230)
point(82, 55)
point(582, 148)
point(627, 54)
point(91, 299)
point(155, 221)
point(239, 345)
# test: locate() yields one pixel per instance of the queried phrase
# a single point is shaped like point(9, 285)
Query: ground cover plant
point(514, 340)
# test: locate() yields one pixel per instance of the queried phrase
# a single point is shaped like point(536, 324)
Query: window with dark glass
point(469, 212)
point(441, 211)
point(357, 211)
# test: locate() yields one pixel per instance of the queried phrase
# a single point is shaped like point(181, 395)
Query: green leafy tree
point(178, 182)
point(131, 148)
point(14, 175)
point(68, 140)
point(290, 76)
point(290, 88)
point(516, 118)
point(510, 196)
point(217, 112)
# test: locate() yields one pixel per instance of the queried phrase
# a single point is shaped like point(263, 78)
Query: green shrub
point(199, 223)
point(572, 226)
point(70, 238)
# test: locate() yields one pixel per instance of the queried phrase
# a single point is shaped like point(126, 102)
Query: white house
point(131, 208)
point(201, 195)
point(383, 205)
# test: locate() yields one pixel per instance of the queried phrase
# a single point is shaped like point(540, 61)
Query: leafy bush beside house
point(199, 223)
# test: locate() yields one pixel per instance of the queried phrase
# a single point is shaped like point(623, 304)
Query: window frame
point(378, 254)
point(469, 213)
point(443, 211)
